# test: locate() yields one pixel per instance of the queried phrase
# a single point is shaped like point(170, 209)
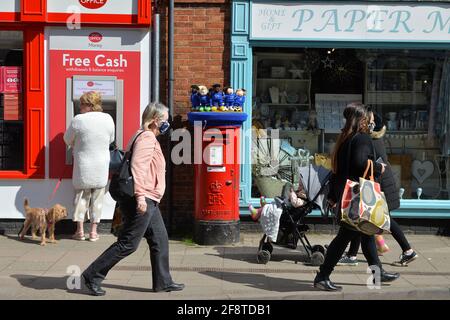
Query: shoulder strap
point(132, 145)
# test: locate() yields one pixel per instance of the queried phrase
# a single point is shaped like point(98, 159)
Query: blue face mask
point(164, 127)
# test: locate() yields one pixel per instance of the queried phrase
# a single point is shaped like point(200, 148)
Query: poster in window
point(1, 79)
point(12, 107)
point(12, 79)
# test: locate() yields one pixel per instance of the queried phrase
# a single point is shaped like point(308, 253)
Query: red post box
point(217, 177)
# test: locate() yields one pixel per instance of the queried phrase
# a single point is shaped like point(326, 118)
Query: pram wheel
point(318, 248)
point(263, 256)
point(317, 258)
point(268, 247)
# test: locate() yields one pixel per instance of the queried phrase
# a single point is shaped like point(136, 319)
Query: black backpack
point(121, 187)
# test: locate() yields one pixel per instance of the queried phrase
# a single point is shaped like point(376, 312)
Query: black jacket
point(387, 180)
point(352, 165)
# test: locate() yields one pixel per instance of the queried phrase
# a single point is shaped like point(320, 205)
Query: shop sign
point(12, 79)
point(334, 21)
point(120, 7)
point(93, 4)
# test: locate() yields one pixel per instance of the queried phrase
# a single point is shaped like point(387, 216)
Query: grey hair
point(154, 111)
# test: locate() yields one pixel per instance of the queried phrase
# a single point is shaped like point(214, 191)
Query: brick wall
point(202, 57)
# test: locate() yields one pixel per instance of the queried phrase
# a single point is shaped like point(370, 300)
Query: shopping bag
point(364, 206)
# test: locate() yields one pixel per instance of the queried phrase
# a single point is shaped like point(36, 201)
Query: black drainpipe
point(170, 103)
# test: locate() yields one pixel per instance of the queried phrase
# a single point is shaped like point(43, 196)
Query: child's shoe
point(382, 247)
point(262, 201)
point(254, 213)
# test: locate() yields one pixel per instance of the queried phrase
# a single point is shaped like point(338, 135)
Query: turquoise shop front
point(302, 62)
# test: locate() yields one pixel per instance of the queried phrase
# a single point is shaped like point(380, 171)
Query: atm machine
point(111, 90)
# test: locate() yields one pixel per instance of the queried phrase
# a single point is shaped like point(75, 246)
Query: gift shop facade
point(302, 62)
point(51, 52)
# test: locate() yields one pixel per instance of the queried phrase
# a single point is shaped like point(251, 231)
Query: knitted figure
point(229, 96)
point(203, 96)
point(216, 96)
point(195, 98)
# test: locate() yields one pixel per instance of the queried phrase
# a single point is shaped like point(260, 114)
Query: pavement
point(30, 271)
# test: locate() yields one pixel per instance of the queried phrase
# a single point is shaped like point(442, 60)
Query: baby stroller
point(292, 228)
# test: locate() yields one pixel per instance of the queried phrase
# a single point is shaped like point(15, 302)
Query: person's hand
point(383, 168)
point(331, 203)
point(141, 206)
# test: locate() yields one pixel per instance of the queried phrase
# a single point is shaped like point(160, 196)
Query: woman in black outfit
point(352, 151)
point(390, 189)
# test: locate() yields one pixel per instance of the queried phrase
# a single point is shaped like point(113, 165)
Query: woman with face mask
point(141, 214)
point(352, 151)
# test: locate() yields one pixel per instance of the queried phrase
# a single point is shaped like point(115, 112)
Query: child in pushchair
point(283, 224)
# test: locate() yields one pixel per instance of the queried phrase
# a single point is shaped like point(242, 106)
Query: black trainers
point(347, 261)
point(407, 258)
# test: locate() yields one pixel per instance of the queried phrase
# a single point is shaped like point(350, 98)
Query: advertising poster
point(12, 106)
point(90, 52)
point(1, 79)
point(12, 79)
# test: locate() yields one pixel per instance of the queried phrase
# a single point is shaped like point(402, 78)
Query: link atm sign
point(93, 4)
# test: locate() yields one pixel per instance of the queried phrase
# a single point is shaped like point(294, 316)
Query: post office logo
point(95, 37)
point(93, 4)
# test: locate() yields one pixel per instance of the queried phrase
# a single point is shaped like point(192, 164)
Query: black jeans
point(150, 226)
point(337, 247)
point(397, 233)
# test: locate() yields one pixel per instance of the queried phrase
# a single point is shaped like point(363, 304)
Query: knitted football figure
point(195, 98)
point(203, 97)
point(216, 96)
point(239, 100)
point(229, 96)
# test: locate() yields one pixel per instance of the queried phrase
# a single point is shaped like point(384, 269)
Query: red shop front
point(51, 52)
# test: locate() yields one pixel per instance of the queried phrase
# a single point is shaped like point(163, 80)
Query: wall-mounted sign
point(104, 87)
point(12, 79)
point(338, 21)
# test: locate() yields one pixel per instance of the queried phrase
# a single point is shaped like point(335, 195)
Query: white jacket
point(90, 135)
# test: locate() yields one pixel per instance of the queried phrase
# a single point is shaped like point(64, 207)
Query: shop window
point(300, 94)
point(11, 101)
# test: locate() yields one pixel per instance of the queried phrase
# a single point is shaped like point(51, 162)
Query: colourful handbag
point(363, 205)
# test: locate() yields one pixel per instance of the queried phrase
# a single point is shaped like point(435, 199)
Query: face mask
point(371, 127)
point(164, 127)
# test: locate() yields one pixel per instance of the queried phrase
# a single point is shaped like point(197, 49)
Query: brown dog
point(39, 218)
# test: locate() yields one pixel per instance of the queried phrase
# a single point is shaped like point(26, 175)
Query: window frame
point(33, 104)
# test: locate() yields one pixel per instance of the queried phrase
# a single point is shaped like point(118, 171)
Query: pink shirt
point(148, 167)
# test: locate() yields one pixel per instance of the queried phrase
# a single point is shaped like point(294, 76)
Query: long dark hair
point(356, 120)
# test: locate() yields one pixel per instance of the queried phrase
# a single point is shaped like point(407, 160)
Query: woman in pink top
point(141, 215)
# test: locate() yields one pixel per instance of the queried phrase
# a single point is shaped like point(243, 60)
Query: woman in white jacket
point(90, 134)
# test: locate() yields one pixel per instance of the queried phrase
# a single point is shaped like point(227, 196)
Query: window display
point(11, 102)
point(299, 95)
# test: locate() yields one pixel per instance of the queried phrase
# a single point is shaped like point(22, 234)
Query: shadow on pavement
point(46, 283)
point(260, 281)
point(27, 239)
point(60, 283)
point(249, 254)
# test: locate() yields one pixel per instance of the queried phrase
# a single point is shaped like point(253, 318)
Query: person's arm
point(332, 198)
point(113, 131)
point(143, 152)
point(69, 135)
point(362, 150)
